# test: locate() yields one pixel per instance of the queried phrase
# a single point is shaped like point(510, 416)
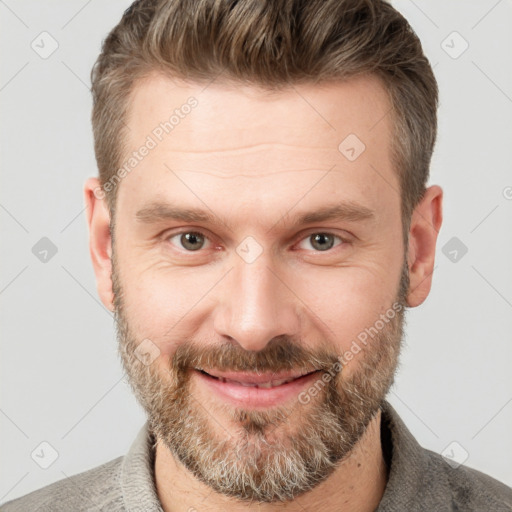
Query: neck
point(357, 484)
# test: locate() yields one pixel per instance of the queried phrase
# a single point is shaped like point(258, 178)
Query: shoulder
point(421, 479)
point(469, 489)
point(95, 489)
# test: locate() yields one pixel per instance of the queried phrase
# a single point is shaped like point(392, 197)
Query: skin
point(257, 161)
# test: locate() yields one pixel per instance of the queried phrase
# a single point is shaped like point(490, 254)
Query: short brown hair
point(271, 44)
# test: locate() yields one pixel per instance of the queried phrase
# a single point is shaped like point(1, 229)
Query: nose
point(256, 305)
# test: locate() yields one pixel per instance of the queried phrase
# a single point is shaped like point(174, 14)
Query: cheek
point(167, 305)
point(344, 302)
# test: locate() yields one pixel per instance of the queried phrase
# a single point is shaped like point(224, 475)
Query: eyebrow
point(346, 211)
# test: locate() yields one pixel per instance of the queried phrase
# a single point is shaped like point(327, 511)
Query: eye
point(189, 240)
point(321, 241)
point(193, 241)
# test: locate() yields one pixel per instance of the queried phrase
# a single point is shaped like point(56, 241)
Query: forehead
point(318, 115)
point(226, 138)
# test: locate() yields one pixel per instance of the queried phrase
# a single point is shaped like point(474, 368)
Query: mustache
point(280, 354)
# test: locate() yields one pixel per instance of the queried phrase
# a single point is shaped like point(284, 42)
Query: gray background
point(61, 380)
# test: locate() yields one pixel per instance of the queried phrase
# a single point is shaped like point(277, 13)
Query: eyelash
point(343, 241)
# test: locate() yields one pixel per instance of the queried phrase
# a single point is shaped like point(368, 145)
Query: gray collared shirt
point(419, 480)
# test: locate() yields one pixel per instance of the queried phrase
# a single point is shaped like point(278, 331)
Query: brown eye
point(321, 241)
point(190, 240)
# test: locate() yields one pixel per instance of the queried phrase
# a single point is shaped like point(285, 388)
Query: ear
point(425, 224)
point(100, 242)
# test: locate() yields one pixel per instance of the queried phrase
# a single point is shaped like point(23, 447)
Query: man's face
point(258, 287)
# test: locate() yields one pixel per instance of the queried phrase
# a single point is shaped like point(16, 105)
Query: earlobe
point(425, 225)
point(100, 241)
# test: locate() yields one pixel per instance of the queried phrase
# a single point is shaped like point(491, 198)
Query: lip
point(258, 378)
point(248, 396)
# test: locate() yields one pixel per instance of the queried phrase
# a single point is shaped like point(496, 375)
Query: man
point(259, 226)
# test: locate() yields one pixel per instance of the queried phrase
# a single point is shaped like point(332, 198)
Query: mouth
point(261, 381)
point(257, 390)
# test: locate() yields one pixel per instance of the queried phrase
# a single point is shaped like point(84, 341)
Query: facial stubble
point(271, 455)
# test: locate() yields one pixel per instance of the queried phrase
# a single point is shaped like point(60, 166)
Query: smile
point(253, 390)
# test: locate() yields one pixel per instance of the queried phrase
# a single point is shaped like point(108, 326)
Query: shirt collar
point(137, 478)
point(407, 462)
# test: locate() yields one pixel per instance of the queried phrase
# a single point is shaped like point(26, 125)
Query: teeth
point(265, 385)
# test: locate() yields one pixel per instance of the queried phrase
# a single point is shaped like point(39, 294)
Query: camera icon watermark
point(455, 454)
point(44, 455)
point(351, 147)
point(44, 250)
point(454, 249)
point(44, 45)
point(249, 249)
point(146, 352)
point(454, 45)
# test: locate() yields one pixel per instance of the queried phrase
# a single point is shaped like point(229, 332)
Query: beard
point(271, 455)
